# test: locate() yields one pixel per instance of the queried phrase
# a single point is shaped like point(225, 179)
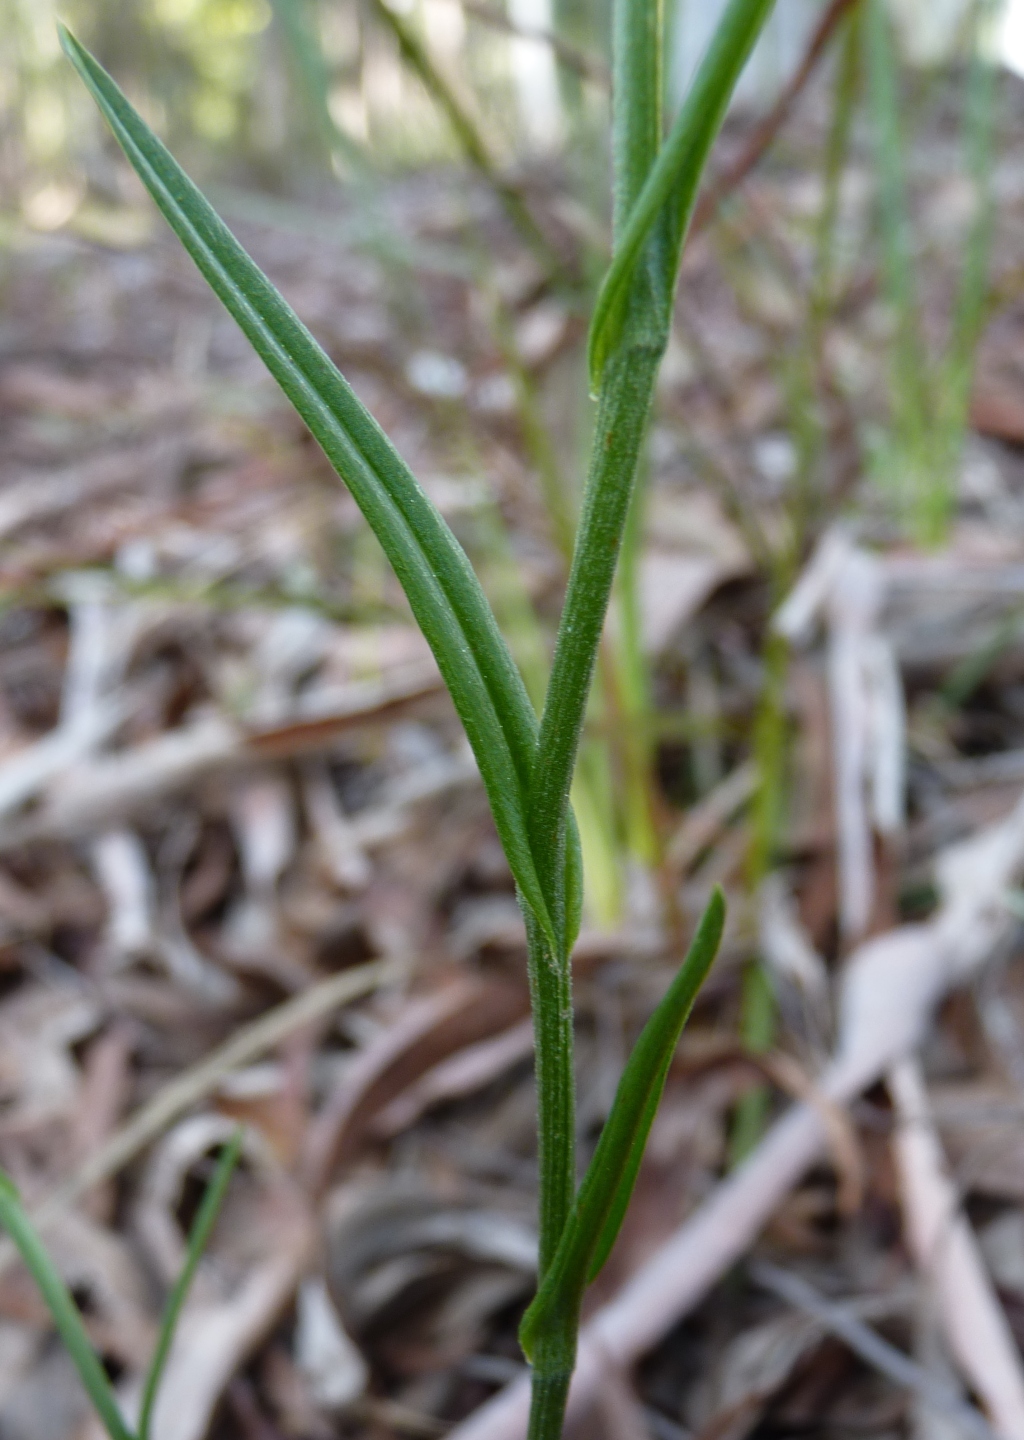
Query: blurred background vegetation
point(265, 90)
point(308, 105)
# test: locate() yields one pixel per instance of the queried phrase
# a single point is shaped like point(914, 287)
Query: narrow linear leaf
point(442, 589)
point(608, 1184)
point(62, 1308)
point(671, 187)
point(198, 1240)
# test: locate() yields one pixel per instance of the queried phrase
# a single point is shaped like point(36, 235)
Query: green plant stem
point(549, 1329)
point(632, 694)
point(551, 1002)
point(626, 394)
point(551, 997)
point(654, 192)
point(548, 1397)
point(847, 86)
point(757, 1001)
point(757, 1032)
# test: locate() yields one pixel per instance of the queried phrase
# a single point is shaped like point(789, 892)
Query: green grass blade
point(443, 592)
point(466, 131)
point(298, 30)
point(909, 402)
point(969, 313)
point(63, 1310)
point(197, 1243)
point(671, 187)
point(605, 1193)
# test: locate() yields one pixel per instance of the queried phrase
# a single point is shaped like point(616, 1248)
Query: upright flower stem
point(527, 772)
point(623, 406)
point(628, 376)
point(548, 1397)
point(622, 415)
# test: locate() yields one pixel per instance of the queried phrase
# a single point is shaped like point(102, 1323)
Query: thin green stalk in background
point(68, 1320)
point(928, 395)
point(466, 131)
point(63, 1310)
point(527, 770)
point(970, 307)
point(757, 998)
point(297, 26)
point(198, 1240)
point(806, 396)
point(847, 86)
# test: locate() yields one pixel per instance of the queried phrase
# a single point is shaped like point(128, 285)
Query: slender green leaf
point(197, 1243)
point(910, 372)
point(671, 187)
point(969, 312)
point(618, 438)
point(442, 589)
point(604, 1195)
point(62, 1308)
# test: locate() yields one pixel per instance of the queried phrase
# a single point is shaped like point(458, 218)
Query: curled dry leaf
point(34, 498)
point(332, 1363)
point(458, 1075)
point(126, 783)
point(750, 1370)
point(790, 955)
point(249, 1043)
point(100, 1267)
point(417, 1277)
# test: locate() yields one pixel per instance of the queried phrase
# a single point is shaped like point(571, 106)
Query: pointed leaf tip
point(444, 593)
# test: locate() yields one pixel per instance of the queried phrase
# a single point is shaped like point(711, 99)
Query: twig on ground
point(872, 1349)
point(118, 785)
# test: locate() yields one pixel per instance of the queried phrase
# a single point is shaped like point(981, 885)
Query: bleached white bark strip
point(946, 1250)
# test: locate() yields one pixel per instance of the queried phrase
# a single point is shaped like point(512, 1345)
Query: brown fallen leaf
point(461, 1011)
point(458, 1075)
